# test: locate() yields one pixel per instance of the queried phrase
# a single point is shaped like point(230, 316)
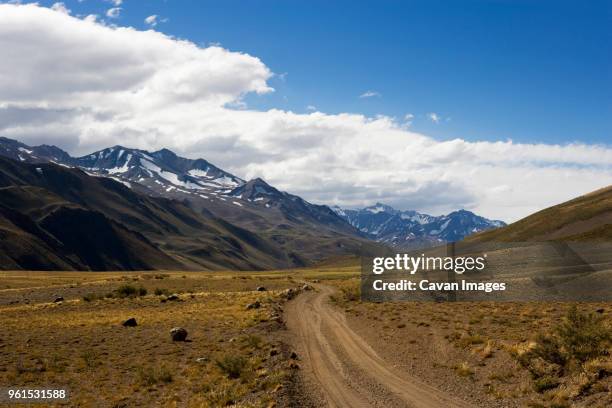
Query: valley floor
point(251, 348)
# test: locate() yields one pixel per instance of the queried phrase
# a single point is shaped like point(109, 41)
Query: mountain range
point(411, 229)
point(183, 213)
point(161, 211)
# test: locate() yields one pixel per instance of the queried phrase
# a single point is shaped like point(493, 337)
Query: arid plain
point(244, 346)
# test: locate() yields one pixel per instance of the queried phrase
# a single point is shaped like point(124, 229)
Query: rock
point(600, 310)
point(273, 352)
point(58, 299)
point(293, 355)
point(306, 287)
point(261, 289)
point(288, 294)
point(294, 366)
point(131, 322)
point(178, 334)
point(201, 359)
point(315, 281)
point(254, 305)
point(173, 296)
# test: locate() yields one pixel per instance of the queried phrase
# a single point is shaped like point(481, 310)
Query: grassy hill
point(586, 218)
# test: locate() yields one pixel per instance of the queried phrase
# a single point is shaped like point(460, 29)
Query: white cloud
point(151, 20)
point(116, 3)
point(369, 94)
point(113, 12)
point(311, 108)
point(434, 117)
point(86, 86)
point(61, 7)
point(408, 118)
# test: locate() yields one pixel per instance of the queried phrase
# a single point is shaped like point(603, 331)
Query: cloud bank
point(83, 85)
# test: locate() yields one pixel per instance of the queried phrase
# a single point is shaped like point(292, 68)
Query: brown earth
point(370, 380)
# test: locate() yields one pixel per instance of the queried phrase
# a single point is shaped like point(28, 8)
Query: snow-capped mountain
point(411, 229)
point(299, 227)
point(18, 151)
point(162, 171)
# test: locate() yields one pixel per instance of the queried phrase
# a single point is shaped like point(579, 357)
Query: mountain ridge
point(584, 218)
point(264, 227)
point(409, 229)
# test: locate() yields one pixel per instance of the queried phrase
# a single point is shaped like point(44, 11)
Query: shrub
point(464, 369)
point(351, 293)
point(231, 365)
point(574, 348)
point(126, 290)
point(129, 290)
point(584, 336)
point(160, 292)
point(253, 341)
point(545, 383)
point(580, 337)
point(153, 375)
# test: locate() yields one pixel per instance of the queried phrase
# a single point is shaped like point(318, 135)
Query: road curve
point(307, 315)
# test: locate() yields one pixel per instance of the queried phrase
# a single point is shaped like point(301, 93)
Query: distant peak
point(258, 180)
point(164, 153)
point(380, 207)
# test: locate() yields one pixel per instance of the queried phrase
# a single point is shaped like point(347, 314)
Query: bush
point(464, 369)
point(580, 337)
point(90, 297)
point(129, 290)
point(575, 348)
point(153, 375)
point(160, 292)
point(584, 336)
point(545, 383)
point(126, 290)
point(351, 293)
point(233, 366)
point(253, 341)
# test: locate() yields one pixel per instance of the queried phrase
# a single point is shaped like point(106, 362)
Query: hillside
point(586, 218)
point(52, 217)
point(294, 231)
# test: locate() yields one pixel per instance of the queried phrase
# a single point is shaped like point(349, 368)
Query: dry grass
point(80, 343)
point(483, 342)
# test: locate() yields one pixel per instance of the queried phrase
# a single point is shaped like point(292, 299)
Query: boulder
point(173, 296)
point(306, 287)
point(261, 289)
point(58, 299)
point(178, 334)
point(254, 305)
point(131, 322)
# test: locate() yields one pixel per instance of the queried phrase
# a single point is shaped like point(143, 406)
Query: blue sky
point(520, 92)
point(530, 71)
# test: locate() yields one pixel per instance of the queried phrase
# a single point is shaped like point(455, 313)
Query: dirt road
point(333, 354)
